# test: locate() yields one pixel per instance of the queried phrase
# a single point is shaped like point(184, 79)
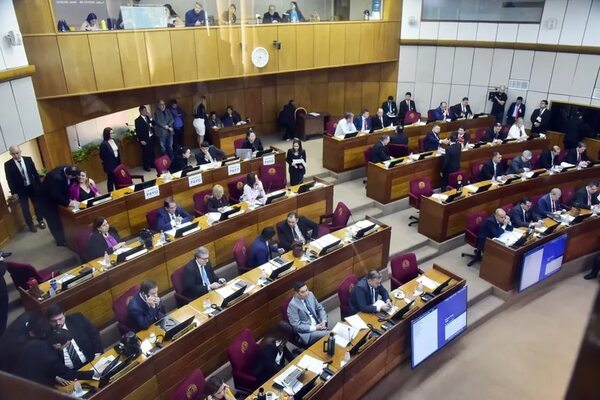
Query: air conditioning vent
point(596, 94)
point(518, 84)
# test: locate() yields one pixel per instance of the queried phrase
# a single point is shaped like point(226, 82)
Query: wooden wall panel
point(55, 149)
point(337, 45)
point(305, 50)
point(106, 61)
point(183, 51)
point(321, 46)
point(207, 54)
point(50, 114)
point(369, 48)
point(77, 63)
point(302, 96)
point(370, 96)
point(270, 107)
point(387, 89)
point(390, 39)
point(230, 52)
point(335, 99)
point(132, 50)
point(350, 43)
point(160, 60)
point(287, 54)
point(353, 97)
point(265, 38)
point(49, 78)
point(392, 11)
point(285, 93)
point(34, 16)
point(319, 97)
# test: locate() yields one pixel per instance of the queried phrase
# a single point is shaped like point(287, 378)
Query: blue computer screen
point(541, 262)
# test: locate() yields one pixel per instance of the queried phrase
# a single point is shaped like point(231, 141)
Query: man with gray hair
point(549, 203)
point(367, 292)
point(198, 276)
point(345, 125)
point(520, 163)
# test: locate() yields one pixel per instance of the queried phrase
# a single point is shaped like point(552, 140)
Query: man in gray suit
point(306, 315)
point(163, 127)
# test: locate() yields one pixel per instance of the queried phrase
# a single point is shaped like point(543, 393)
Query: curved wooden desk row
point(439, 221)
point(126, 212)
point(501, 265)
point(341, 155)
point(387, 185)
point(380, 356)
point(94, 297)
point(205, 347)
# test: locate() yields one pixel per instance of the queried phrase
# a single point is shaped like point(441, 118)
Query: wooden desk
point(387, 185)
point(126, 212)
point(94, 298)
point(593, 145)
point(341, 155)
point(501, 265)
point(224, 138)
point(308, 125)
point(440, 221)
point(205, 347)
point(378, 356)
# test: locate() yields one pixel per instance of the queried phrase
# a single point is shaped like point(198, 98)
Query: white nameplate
point(194, 180)
point(233, 169)
point(269, 159)
point(151, 192)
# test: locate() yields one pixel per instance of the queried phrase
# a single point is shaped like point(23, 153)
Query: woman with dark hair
point(103, 239)
point(180, 162)
point(110, 156)
point(214, 122)
point(273, 353)
point(253, 189)
point(294, 14)
point(173, 19)
point(228, 17)
point(84, 189)
point(90, 23)
point(217, 389)
point(296, 159)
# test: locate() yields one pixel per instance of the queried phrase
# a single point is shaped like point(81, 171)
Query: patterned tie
point(310, 311)
point(73, 355)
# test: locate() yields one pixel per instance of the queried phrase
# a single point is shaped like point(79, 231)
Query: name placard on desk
point(233, 169)
point(194, 180)
point(269, 159)
point(151, 192)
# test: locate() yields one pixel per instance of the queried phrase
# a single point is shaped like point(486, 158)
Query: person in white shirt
point(517, 131)
point(345, 125)
point(253, 189)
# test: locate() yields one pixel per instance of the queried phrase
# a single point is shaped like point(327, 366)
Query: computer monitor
point(483, 188)
point(274, 197)
point(243, 154)
point(305, 392)
point(230, 160)
point(190, 170)
point(350, 135)
point(361, 232)
point(542, 261)
point(173, 331)
point(453, 197)
point(306, 187)
point(423, 155)
point(144, 185)
point(81, 277)
point(263, 152)
point(232, 297)
point(98, 199)
point(395, 162)
point(182, 231)
point(282, 268)
point(580, 218)
point(114, 368)
point(225, 214)
point(123, 256)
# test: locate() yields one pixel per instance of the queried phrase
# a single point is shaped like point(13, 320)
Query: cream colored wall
point(29, 149)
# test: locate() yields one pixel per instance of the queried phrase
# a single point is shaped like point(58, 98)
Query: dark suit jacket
point(192, 280)
point(268, 18)
point(41, 363)
point(456, 110)
point(256, 146)
point(55, 187)
point(163, 221)
point(574, 133)
point(286, 236)
point(490, 136)
point(376, 123)
point(389, 107)
point(518, 220)
point(404, 107)
point(571, 156)
point(490, 229)
point(230, 121)
point(107, 155)
point(517, 165)
point(431, 142)
point(545, 161)
point(216, 153)
point(451, 161)
point(97, 244)
point(142, 129)
point(358, 123)
point(487, 170)
point(14, 177)
point(379, 153)
point(265, 366)
point(259, 253)
point(544, 206)
point(85, 335)
point(14, 338)
point(360, 297)
point(438, 114)
point(581, 197)
point(399, 138)
point(511, 110)
point(543, 124)
point(213, 205)
point(178, 164)
point(140, 315)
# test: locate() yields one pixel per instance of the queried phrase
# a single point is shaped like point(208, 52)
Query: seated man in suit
point(367, 291)
point(442, 113)
point(407, 105)
point(400, 137)
point(380, 120)
point(494, 134)
point(252, 142)
point(85, 345)
point(587, 197)
point(492, 169)
point(462, 109)
point(209, 154)
point(432, 139)
point(262, 247)
point(198, 276)
point(548, 158)
point(363, 123)
point(578, 155)
point(461, 137)
point(522, 214)
point(389, 108)
point(145, 308)
point(494, 226)
point(345, 125)
point(520, 163)
point(379, 151)
point(540, 118)
point(451, 163)
point(307, 316)
point(171, 216)
point(231, 117)
point(549, 203)
point(181, 160)
point(296, 229)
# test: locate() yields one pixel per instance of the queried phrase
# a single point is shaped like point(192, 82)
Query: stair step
point(483, 309)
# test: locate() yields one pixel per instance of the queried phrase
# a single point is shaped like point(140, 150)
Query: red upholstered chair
point(344, 292)
point(421, 144)
point(200, 199)
point(507, 207)
point(191, 388)
point(120, 308)
point(404, 269)
point(240, 255)
point(242, 354)
point(398, 150)
point(367, 154)
point(474, 222)
point(476, 170)
point(151, 218)
point(534, 158)
point(430, 116)
point(20, 273)
point(123, 178)
point(236, 188)
point(294, 338)
point(330, 127)
point(177, 281)
point(273, 177)
point(337, 220)
point(297, 113)
point(162, 164)
point(237, 143)
point(411, 117)
point(454, 177)
point(479, 133)
point(567, 196)
point(562, 154)
point(417, 188)
point(82, 241)
point(534, 200)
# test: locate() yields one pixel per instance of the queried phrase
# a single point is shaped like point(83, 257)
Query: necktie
point(408, 104)
point(553, 206)
point(310, 311)
point(204, 276)
point(381, 119)
point(364, 124)
point(524, 216)
point(294, 233)
point(494, 169)
point(589, 202)
point(22, 170)
point(73, 355)
point(578, 157)
point(373, 296)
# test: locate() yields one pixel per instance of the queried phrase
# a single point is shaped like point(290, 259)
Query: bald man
point(24, 182)
point(494, 226)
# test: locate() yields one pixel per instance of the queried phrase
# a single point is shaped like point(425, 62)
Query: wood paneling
point(369, 46)
point(77, 63)
point(337, 44)
point(305, 46)
point(183, 48)
point(287, 54)
point(34, 16)
point(230, 52)
point(207, 54)
point(321, 45)
point(392, 11)
point(350, 41)
point(134, 59)
point(160, 61)
point(49, 79)
point(107, 62)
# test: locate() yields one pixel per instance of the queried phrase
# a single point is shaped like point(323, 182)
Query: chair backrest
point(242, 354)
point(119, 307)
point(82, 242)
point(341, 215)
point(534, 200)
point(404, 267)
point(344, 292)
point(162, 164)
point(191, 388)
point(237, 143)
point(419, 187)
point(273, 177)
point(122, 176)
point(479, 133)
point(398, 150)
point(534, 158)
point(299, 111)
point(430, 115)
point(474, 222)
point(507, 207)
point(567, 195)
point(411, 117)
point(200, 199)
point(421, 144)
point(20, 273)
point(367, 154)
point(151, 218)
point(330, 127)
point(283, 308)
point(236, 188)
point(476, 170)
point(454, 177)
point(177, 280)
point(240, 250)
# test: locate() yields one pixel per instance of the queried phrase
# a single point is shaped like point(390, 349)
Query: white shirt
point(253, 193)
point(299, 234)
point(114, 147)
point(343, 127)
point(516, 133)
point(23, 170)
point(68, 362)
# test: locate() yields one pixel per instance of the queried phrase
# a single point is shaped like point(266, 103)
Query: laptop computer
point(580, 218)
point(483, 188)
point(190, 170)
point(550, 229)
point(114, 368)
point(430, 295)
point(453, 197)
point(361, 232)
point(227, 301)
point(273, 197)
point(306, 187)
point(123, 256)
point(181, 231)
point(350, 135)
point(283, 267)
point(243, 154)
point(397, 316)
point(423, 155)
point(81, 277)
point(144, 185)
point(305, 392)
point(174, 330)
point(395, 162)
point(511, 180)
point(263, 152)
point(98, 199)
point(225, 214)
point(166, 323)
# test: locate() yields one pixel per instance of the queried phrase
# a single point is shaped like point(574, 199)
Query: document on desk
point(508, 238)
point(439, 196)
point(343, 334)
point(312, 364)
point(471, 188)
point(427, 282)
point(356, 322)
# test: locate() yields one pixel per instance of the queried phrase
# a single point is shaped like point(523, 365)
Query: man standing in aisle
point(498, 99)
point(144, 133)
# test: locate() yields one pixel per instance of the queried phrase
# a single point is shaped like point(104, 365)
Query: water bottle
point(52, 291)
point(103, 24)
point(106, 261)
point(261, 394)
point(345, 359)
point(77, 387)
point(162, 239)
point(329, 345)
point(459, 186)
point(420, 287)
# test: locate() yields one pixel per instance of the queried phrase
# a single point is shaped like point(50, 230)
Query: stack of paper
point(508, 238)
point(427, 282)
point(356, 322)
point(312, 364)
point(343, 334)
point(471, 188)
point(439, 196)
point(323, 242)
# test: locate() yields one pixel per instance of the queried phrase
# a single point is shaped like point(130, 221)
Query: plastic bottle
point(103, 24)
point(106, 261)
point(77, 387)
point(261, 394)
point(162, 239)
point(345, 359)
point(459, 186)
point(331, 345)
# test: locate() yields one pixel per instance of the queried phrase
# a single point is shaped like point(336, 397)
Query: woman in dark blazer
point(110, 156)
point(296, 171)
point(103, 239)
point(217, 200)
point(273, 354)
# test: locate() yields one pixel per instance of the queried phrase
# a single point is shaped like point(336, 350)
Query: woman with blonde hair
point(218, 200)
